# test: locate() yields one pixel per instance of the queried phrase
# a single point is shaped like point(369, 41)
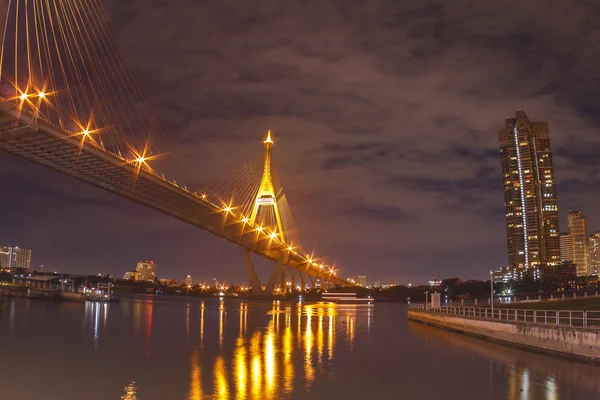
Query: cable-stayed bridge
point(71, 101)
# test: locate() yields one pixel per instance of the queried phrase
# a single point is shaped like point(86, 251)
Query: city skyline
point(414, 166)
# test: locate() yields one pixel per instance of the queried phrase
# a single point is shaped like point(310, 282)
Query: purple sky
point(384, 113)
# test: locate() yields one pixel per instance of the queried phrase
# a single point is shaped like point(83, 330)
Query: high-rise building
point(20, 258)
point(361, 280)
point(579, 241)
point(131, 276)
point(594, 253)
point(529, 195)
point(566, 247)
point(146, 271)
point(5, 256)
point(15, 257)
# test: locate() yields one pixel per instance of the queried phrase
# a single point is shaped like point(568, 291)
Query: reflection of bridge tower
point(265, 211)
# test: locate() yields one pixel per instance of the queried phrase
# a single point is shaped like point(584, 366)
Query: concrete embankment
point(566, 341)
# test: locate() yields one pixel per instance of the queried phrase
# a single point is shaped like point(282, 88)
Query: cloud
point(385, 113)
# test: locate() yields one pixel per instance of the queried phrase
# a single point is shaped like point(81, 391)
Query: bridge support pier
point(313, 281)
point(254, 281)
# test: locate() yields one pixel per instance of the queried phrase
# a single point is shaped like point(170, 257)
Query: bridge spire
point(266, 198)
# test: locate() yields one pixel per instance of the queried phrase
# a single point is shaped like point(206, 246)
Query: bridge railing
point(582, 318)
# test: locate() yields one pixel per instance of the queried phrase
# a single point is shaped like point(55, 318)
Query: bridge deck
point(35, 140)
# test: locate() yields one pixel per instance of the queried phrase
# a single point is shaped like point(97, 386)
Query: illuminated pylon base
point(254, 281)
point(291, 278)
point(283, 279)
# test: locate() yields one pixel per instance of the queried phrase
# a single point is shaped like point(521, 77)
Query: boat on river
point(102, 293)
point(346, 298)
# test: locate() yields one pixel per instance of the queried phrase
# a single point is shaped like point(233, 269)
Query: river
point(189, 348)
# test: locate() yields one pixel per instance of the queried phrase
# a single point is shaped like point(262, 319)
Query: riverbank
point(578, 343)
point(583, 303)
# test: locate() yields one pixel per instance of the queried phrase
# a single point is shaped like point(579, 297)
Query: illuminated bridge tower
point(265, 211)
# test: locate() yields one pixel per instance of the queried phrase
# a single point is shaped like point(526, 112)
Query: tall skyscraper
point(529, 195)
point(566, 247)
point(146, 271)
point(594, 253)
point(579, 241)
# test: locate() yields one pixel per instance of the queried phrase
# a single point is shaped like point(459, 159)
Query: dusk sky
point(385, 116)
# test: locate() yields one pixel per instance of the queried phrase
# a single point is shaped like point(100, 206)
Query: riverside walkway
point(567, 333)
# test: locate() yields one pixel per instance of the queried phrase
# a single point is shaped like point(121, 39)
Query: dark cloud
point(385, 115)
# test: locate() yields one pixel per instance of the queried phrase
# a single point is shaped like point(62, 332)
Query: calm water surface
point(178, 348)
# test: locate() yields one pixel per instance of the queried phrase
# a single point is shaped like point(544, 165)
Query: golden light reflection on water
point(330, 336)
point(265, 362)
point(221, 382)
point(288, 365)
point(320, 338)
point(243, 318)
point(256, 365)
point(202, 324)
point(241, 366)
point(309, 370)
point(195, 378)
point(221, 321)
point(270, 363)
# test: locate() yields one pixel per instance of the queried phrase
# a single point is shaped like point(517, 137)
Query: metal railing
point(531, 298)
point(548, 317)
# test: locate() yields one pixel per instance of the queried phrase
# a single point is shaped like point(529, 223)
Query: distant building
point(5, 256)
point(566, 247)
point(361, 280)
point(452, 282)
point(146, 271)
point(15, 257)
point(435, 282)
point(377, 285)
point(168, 282)
point(529, 195)
point(503, 275)
point(579, 241)
point(594, 253)
point(188, 280)
point(131, 276)
point(563, 276)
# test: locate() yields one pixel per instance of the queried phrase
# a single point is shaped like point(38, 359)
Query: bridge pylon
point(265, 204)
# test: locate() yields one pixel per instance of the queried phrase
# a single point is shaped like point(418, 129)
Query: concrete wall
point(72, 296)
point(573, 342)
